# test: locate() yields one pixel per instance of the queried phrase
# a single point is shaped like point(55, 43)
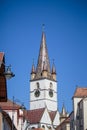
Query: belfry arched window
point(51, 90)
point(38, 85)
point(51, 85)
point(37, 90)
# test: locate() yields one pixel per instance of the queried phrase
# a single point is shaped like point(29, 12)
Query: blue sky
point(66, 36)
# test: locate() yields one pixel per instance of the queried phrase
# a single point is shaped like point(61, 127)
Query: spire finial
point(43, 27)
point(33, 67)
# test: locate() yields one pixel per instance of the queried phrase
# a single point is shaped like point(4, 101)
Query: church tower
point(43, 84)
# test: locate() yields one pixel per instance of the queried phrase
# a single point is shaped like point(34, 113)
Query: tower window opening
point(51, 85)
point(38, 86)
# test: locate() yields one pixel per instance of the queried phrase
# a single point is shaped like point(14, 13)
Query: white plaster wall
point(75, 106)
point(42, 104)
point(85, 112)
point(56, 121)
point(67, 126)
point(44, 94)
point(17, 122)
point(46, 118)
point(44, 84)
point(39, 102)
point(15, 116)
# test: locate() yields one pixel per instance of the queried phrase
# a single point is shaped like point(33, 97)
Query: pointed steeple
point(53, 71)
point(43, 58)
point(63, 114)
point(53, 68)
point(33, 71)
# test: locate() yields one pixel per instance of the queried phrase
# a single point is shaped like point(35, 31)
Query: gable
point(46, 118)
point(56, 120)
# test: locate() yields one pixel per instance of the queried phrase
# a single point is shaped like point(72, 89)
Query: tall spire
point(43, 58)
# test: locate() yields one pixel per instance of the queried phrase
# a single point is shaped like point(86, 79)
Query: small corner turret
point(33, 71)
point(53, 73)
point(63, 114)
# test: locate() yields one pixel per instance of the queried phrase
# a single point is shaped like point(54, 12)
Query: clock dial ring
point(37, 93)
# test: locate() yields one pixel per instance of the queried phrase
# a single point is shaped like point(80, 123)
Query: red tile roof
point(80, 92)
point(34, 116)
point(1, 56)
point(52, 114)
point(9, 105)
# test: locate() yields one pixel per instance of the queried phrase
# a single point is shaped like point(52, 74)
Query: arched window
point(51, 85)
point(38, 86)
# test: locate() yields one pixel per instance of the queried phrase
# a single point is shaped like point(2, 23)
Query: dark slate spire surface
point(43, 58)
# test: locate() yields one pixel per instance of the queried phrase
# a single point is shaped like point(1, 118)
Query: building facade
point(5, 121)
point(15, 113)
point(78, 118)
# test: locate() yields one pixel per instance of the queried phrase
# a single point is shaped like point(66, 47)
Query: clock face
point(37, 93)
point(51, 93)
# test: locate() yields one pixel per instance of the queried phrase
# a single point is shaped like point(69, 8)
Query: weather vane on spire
point(43, 27)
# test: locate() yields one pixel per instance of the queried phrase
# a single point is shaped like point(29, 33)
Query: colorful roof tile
point(52, 114)
point(80, 92)
point(9, 105)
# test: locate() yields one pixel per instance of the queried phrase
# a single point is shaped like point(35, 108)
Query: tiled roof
point(52, 114)
point(1, 56)
point(34, 116)
point(80, 92)
point(9, 105)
